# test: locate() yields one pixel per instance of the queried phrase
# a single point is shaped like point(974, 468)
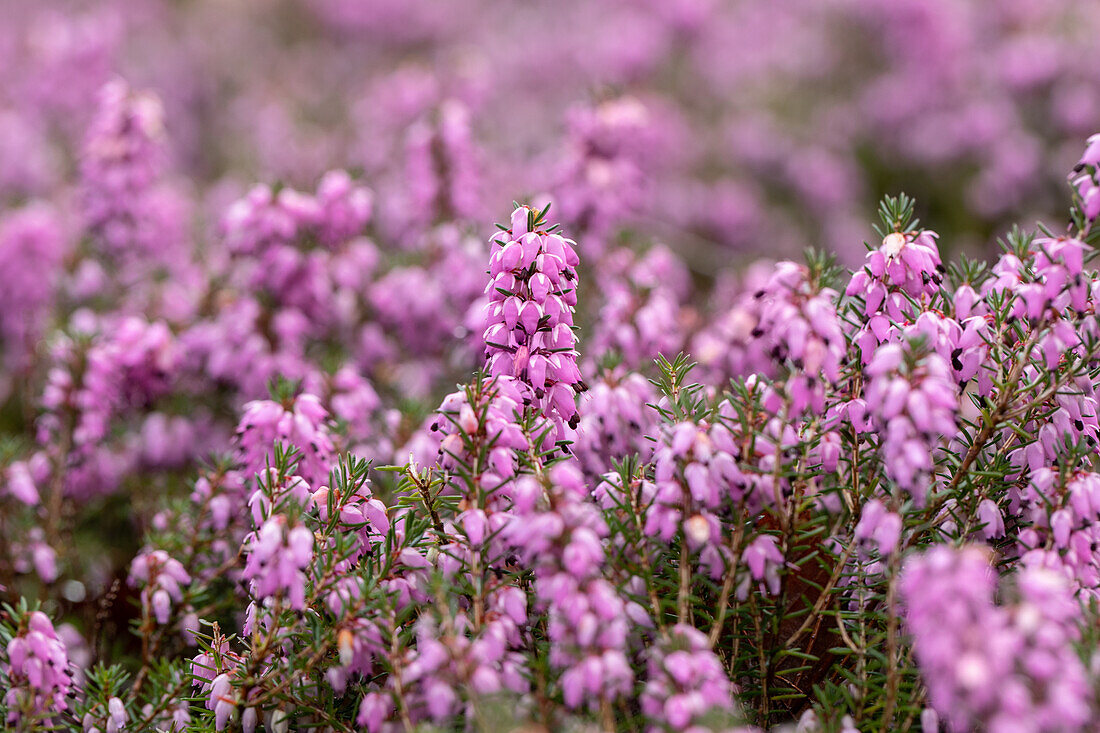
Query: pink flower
point(163, 577)
point(529, 317)
point(763, 558)
point(277, 560)
point(38, 672)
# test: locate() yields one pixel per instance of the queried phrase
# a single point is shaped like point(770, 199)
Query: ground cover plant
point(334, 452)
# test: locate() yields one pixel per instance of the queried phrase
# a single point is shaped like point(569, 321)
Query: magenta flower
point(912, 403)
point(303, 424)
point(38, 671)
point(763, 558)
point(126, 206)
point(529, 320)
point(277, 558)
point(345, 208)
point(878, 528)
point(989, 666)
point(615, 421)
point(163, 578)
point(32, 246)
point(686, 683)
point(588, 619)
point(909, 262)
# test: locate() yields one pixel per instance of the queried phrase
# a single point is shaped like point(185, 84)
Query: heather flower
point(878, 528)
point(910, 262)
point(1071, 421)
point(359, 644)
point(32, 245)
point(351, 398)
point(993, 524)
point(615, 421)
point(374, 709)
point(798, 326)
point(222, 700)
point(695, 474)
point(163, 578)
point(35, 555)
point(454, 662)
point(121, 168)
point(529, 322)
point(1049, 283)
point(358, 512)
point(1086, 183)
point(642, 311)
point(541, 554)
point(906, 267)
point(1062, 514)
point(487, 418)
point(345, 208)
point(441, 167)
point(588, 620)
point(912, 403)
point(20, 482)
point(727, 345)
point(277, 557)
point(265, 219)
point(687, 687)
point(603, 179)
point(218, 674)
point(118, 367)
point(700, 471)
point(116, 715)
point(241, 348)
point(38, 673)
point(785, 325)
point(963, 343)
point(993, 666)
point(763, 559)
point(428, 315)
point(301, 422)
point(170, 441)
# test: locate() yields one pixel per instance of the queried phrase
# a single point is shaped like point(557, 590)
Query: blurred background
point(725, 129)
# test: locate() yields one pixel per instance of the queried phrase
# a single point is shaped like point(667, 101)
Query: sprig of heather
point(529, 319)
point(557, 531)
point(995, 666)
point(686, 684)
point(37, 672)
point(124, 159)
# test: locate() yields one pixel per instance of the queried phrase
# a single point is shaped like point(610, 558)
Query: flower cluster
point(993, 666)
point(302, 423)
point(616, 421)
point(529, 319)
point(1061, 515)
point(787, 325)
point(123, 161)
point(588, 620)
point(442, 166)
point(1085, 181)
point(163, 578)
point(32, 246)
point(107, 371)
point(686, 683)
point(38, 673)
point(277, 556)
point(911, 406)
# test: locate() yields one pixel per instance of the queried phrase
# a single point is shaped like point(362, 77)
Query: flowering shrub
point(876, 511)
point(316, 453)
